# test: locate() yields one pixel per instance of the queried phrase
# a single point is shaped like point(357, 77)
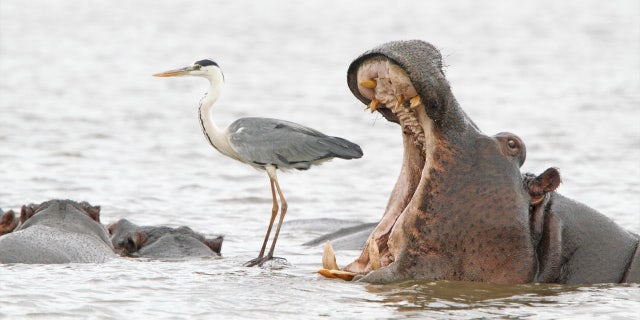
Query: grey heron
point(263, 143)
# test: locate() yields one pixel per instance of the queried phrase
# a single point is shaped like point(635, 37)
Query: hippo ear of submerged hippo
point(8, 222)
point(27, 211)
point(92, 212)
point(215, 244)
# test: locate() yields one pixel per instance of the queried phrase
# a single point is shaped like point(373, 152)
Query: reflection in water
point(451, 295)
point(449, 298)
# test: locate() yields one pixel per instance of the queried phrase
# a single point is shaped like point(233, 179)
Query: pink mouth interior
point(394, 91)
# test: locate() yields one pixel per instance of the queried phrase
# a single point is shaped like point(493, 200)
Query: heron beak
point(176, 72)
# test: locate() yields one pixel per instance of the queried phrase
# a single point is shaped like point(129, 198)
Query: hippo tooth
point(329, 257)
point(330, 267)
point(374, 254)
point(341, 274)
point(326, 273)
point(370, 83)
point(415, 101)
point(400, 101)
point(344, 275)
point(374, 105)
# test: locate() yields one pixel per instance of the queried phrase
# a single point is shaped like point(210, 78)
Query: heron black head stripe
point(206, 62)
point(209, 62)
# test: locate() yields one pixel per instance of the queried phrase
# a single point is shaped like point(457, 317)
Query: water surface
point(82, 118)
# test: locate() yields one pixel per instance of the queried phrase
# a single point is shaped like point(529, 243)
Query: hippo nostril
point(129, 246)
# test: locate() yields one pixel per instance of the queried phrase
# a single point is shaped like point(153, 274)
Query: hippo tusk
point(400, 101)
point(374, 105)
point(340, 274)
point(415, 101)
point(329, 257)
point(330, 268)
point(374, 254)
point(370, 83)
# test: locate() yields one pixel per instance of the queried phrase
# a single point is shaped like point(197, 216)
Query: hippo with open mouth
point(461, 209)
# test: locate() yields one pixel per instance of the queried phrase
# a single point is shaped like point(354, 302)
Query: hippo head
point(68, 215)
point(461, 208)
point(9, 222)
point(28, 211)
point(132, 240)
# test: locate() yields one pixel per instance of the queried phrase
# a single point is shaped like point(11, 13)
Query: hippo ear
point(539, 187)
point(215, 244)
point(27, 212)
point(111, 228)
point(133, 242)
point(92, 212)
point(546, 182)
point(8, 222)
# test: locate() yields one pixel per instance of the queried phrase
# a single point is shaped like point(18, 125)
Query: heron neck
point(214, 135)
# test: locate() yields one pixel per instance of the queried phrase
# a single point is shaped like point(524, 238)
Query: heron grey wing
point(285, 144)
point(263, 141)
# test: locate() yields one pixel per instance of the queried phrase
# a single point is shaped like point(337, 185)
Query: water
point(82, 118)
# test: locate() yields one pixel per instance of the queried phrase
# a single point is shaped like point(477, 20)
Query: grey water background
point(82, 118)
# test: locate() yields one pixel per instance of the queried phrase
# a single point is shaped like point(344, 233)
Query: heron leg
point(274, 211)
point(283, 212)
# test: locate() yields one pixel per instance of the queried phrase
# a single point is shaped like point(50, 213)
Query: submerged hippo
point(57, 231)
point(461, 209)
point(130, 239)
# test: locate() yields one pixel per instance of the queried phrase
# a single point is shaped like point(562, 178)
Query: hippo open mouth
point(388, 88)
point(450, 175)
point(385, 86)
point(390, 91)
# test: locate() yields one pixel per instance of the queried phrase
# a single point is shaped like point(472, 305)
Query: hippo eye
point(511, 146)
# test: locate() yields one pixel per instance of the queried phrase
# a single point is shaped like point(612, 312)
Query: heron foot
point(274, 262)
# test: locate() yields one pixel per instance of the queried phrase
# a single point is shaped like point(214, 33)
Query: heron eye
point(512, 144)
point(196, 67)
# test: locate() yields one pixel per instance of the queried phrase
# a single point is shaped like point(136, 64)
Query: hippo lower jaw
point(389, 88)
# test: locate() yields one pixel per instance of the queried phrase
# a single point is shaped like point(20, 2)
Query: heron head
point(202, 68)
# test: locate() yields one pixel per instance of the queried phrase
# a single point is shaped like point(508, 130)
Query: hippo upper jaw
point(388, 86)
point(423, 233)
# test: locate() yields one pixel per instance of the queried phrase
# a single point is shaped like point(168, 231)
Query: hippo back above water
point(57, 231)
